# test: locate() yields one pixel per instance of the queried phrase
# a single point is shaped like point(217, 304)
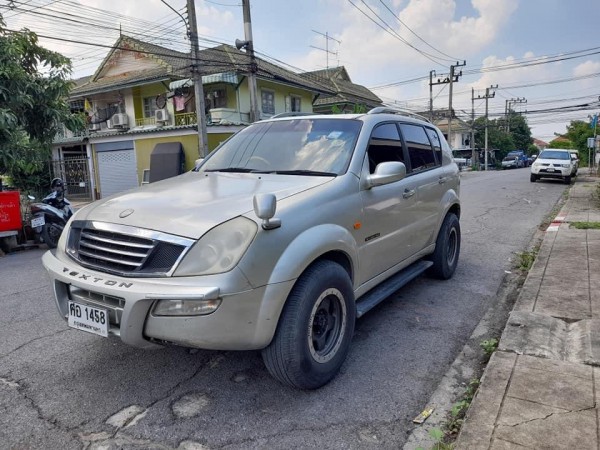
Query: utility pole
point(431, 74)
point(249, 45)
point(432, 83)
point(509, 103)
point(197, 77)
point(487, 96)
point(453, 78)
point(326, 49)
point(474, 155)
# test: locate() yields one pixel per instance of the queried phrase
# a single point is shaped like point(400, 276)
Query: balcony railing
point(65, 133)
point(145, 121)
point(186, 119)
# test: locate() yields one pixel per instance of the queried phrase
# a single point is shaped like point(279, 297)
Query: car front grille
point(124, 250)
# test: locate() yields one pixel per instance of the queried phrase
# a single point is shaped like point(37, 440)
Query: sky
point(545, 52)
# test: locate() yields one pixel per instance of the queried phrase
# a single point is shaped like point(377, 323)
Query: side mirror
point(265, 206)
point(385, 173)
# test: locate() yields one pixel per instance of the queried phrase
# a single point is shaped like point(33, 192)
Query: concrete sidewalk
point(540, 388)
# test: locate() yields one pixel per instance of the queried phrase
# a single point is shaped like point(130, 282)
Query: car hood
point(193, 203)
point(554, 162)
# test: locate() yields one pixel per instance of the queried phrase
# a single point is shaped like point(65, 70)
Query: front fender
point(311, 244)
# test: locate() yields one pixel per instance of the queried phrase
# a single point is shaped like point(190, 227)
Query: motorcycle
point(51, 215)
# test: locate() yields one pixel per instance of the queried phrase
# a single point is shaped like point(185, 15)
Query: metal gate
point(75, 172)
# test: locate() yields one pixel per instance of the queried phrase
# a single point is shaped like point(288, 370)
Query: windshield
point(509, 158)
point(298, 147)
point(554, 154)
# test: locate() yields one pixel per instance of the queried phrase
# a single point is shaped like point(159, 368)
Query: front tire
point(315, 328)
point(532, 178)
point(447, 249)
point(568, 180)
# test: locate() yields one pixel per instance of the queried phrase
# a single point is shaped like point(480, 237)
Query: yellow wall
point(140, 92)
point(144, 147)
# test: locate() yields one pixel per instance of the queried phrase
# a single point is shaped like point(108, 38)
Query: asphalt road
point(61, 388)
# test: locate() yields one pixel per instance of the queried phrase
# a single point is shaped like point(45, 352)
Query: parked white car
point(553, 163)
point(575, 159)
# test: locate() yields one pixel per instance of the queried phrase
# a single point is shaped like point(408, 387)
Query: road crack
point(31, 342)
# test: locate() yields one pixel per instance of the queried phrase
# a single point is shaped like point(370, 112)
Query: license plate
point(37, 222)
point(550, 169)
point(88, 318)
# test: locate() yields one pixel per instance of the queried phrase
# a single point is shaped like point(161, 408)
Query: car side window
point(420, 151)
point(437, 145)
point(385, 145)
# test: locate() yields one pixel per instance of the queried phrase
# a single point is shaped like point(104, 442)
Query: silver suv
point(278, 241)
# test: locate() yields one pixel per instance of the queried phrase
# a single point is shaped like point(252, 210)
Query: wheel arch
point(328, 242)
point(324, 242)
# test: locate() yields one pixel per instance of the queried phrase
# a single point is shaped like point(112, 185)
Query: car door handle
point(442, 180)
point(408, 193)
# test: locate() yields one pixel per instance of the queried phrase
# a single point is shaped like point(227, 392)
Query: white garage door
point(117, 170)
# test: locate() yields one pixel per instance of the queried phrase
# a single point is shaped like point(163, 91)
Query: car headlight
point(219, 250)
point(566, 165)
point(179, 307)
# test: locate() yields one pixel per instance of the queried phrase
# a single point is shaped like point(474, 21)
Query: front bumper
point(245, 320)
point(551, 172)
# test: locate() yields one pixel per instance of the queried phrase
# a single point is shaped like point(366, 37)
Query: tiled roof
point(128, 79)
point(337, 80)
point(143, 130)
point(223, 58)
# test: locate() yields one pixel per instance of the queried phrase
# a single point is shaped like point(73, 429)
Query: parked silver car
point(278, 241)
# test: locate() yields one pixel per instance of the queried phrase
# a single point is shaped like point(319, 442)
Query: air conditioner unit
point(161, 115)
point(118, 121)
point(95, 127)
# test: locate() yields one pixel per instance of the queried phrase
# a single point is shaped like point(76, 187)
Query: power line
point(394, 34)
point(397, 17)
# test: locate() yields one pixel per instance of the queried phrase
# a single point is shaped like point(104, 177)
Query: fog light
point(185, 307)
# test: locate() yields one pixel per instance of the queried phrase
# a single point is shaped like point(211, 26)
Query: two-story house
point(348, 97)
point(141, 96)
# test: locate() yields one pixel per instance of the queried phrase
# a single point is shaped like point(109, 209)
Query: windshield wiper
point(305, 172)
point(233, 169)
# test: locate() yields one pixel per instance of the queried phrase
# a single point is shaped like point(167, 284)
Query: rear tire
point(447, 249)
point(51, 234)
point(315, 328)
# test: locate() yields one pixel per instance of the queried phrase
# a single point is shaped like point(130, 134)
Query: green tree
point(498, 139)
point(578, 133)
point(34, 87)
point(519, 136)
point(519, 131)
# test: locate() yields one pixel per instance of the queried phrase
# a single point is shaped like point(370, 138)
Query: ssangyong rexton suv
point(276, 241)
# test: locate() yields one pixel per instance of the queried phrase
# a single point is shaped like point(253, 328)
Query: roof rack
point(400, 112)
point(292, 114)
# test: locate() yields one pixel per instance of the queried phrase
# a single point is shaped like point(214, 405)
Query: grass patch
point(585, 225)
point(526, 259)
point(459, 410)
point(489, 346)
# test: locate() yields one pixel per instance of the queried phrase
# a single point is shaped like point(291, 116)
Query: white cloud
point(587, 68)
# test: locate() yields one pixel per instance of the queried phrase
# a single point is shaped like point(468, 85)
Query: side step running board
point(389, 286)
